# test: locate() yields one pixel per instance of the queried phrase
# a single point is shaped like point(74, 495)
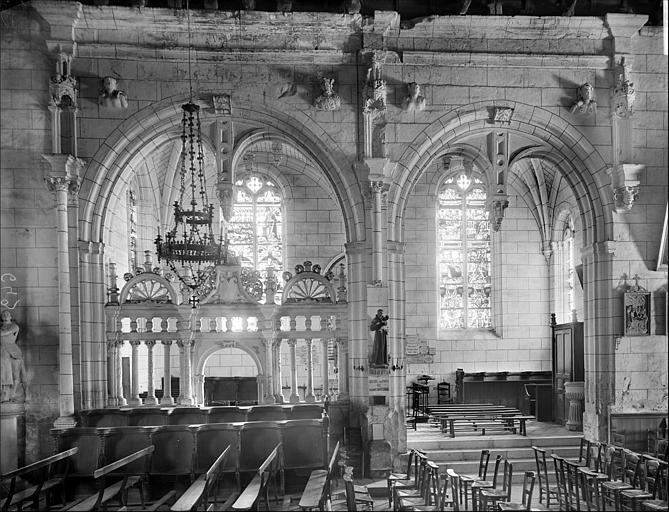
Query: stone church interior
point(298, 255)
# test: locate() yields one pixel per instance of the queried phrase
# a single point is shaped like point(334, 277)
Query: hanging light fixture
point(190, 248)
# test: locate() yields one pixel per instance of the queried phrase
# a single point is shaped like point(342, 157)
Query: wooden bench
point(47, 480)
point(198, 493)
point(317, 490)
point(117, 490)
point(485, 423)
point(258, 487)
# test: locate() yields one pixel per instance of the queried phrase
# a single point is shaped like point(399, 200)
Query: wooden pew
point(117, 490)
point(198, 493)
point(317, 491)
point(47, 481)
point(258, 487)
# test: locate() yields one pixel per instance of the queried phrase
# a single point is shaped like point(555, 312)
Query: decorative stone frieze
point(585, 100)
point(328, 100)
point(414, 99)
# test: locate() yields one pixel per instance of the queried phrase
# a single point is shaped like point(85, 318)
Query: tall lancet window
point(569, 271)
point(464, 253)
point(255, 232)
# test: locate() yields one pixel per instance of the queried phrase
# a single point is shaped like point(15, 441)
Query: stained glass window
point(464, 254)
point(569, 271)
point(255, 233)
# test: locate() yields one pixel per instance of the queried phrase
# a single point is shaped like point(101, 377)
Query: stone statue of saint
point(111, 96)
point(380, 349)
point(12, 371)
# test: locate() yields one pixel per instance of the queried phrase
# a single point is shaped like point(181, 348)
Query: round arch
point(134, 139)
point(562, 144)
point(209, 348)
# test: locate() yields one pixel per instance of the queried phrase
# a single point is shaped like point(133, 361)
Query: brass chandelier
point(190, 248)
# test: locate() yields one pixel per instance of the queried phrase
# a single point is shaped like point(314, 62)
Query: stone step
point(511, 453)
point(492, 443)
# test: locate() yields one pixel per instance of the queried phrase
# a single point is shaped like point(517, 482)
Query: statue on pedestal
point(380, 349)
point(12, 370)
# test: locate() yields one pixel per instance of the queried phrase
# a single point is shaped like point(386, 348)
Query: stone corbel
point(497, 204)
point(625, 185)
point(64, 172)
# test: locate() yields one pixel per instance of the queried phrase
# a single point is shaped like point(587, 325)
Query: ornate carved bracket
point(625, 185)
point(624, 93)
point(497, 204)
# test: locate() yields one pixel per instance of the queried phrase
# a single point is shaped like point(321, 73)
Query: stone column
point(268, 394)
point(185, 397)
point(324, 368)
point(342, 369)
point(112, 398)
point(277, 374)
point(198, 392)
point(377, 231)
point(167, 374)
point(294, 396)
point(134, 385)
point(118, 380)
point(151, 393)
point(309, 396)
point(602, 308)
point(63, 179)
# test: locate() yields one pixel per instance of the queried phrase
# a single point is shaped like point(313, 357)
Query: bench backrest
point(187, 416)
point(40, 464)
point(120, 442)
point(305, 412)
point(89, 441)
point(113, 466)
point(148, 417)
point(226, 414)
point(266, 413)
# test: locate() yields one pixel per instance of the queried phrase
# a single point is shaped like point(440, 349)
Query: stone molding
point(521, 60)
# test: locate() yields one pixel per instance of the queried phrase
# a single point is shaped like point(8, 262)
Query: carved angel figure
point(586, 100)
point(415, 100)
point(111, 96)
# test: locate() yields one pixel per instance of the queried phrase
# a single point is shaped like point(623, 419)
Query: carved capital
point(292, 343)
point(64, 174)
point(625, 197)
point(166, 342)
point(150, 344)
point(135, 343)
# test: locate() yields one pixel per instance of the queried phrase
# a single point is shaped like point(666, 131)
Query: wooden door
point(567, 364)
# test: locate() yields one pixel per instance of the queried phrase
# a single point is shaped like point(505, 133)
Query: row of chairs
point(422, 488)
point(603, 477)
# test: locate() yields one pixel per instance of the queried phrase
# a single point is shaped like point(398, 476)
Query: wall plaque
point(637, 313)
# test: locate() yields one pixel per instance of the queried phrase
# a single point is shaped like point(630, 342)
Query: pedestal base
point(575, 393)
point(11, 417)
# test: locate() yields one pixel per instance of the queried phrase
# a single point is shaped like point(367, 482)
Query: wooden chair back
point(507, 479)
point(148, 417)
point(483, 464)
point(305, 412)
point(528, 489)
point(632, 468)
point(187, 416)
point(561, 482)
point(498, 462)
point(120, 442)
point(454, 479)
point(266, 413)
point(542, 470)
point(212, 439)
point(89, 441)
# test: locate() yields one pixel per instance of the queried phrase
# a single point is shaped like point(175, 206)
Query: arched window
point(464, 254)
point(255, 232)
point(568, 272)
